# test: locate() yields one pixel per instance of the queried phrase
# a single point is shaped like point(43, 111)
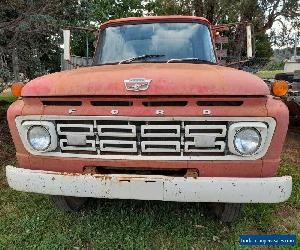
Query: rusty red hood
point(167, 79)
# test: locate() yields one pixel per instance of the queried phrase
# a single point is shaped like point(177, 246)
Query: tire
point(285, 76)
point(227, 212)
point(68, 203)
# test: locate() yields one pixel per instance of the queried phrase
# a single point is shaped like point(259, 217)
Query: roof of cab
point(153, 19)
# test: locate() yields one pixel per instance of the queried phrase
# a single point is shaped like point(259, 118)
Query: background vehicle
point(291, 78)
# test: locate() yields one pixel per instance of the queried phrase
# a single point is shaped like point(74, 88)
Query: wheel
point(285, 76)
point(68, 203)
point(227, 212)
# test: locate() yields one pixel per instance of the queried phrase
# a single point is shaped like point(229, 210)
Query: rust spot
point(129, 177)
point(124, 180)
point(192, 172)
point(67, 173)
point(103, 177)
point(90, 170)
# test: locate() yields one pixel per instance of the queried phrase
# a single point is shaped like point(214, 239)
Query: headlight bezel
point(49, 126)
point(235, 128)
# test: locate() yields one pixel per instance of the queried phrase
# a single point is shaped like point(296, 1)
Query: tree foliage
point(29, 34)
point(30, 30)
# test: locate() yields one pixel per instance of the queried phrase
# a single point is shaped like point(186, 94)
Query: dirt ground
point(291, 151)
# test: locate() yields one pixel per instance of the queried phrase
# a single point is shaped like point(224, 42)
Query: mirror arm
point(249, 41)
point(67, 36)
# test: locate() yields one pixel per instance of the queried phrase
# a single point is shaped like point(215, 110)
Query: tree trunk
point(210, 12)
point(248, 10)
point(198, 7)
point(15, 64)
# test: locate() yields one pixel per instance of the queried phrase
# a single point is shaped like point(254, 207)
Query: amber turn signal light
point(16, 89)
point(280, 88)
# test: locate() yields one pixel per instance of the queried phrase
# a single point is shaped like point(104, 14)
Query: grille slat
point(117, 146)
point(117, 131)
point(160, 131)
point(160, 146)
point(144, 137)
point(90, 146)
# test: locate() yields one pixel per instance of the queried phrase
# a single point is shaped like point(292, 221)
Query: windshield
point(169, 40)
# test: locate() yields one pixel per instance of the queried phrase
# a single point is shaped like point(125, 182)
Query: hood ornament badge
point(137, 84)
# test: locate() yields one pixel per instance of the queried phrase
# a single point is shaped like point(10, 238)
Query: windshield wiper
point(192, 59)
point(140, 57)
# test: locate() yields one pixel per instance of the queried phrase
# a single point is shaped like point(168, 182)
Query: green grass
point(268, 73)
point(30, 221)
point(7, 99)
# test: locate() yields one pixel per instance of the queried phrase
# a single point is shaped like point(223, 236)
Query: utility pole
point(296, 42)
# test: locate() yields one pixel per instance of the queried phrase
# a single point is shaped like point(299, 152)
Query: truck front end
point(155, 118)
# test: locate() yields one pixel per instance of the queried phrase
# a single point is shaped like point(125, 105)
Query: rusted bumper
point(149, 187)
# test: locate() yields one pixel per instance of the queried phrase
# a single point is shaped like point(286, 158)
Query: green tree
point(30, 30)
point(30, 34)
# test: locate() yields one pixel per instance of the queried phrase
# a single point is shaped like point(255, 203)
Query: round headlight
point(39, 138)
point(247, 141)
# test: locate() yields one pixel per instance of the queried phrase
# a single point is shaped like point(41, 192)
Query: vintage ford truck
point(154, 118)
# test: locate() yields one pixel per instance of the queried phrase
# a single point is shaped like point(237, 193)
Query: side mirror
point(67, 53)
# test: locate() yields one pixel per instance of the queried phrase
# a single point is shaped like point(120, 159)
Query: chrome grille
point(153, 137)
point(145, 138)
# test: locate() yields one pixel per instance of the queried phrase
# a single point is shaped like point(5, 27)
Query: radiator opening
point(158, 146)
point(160, 131)
point(205, 131)
point(117, 145)
point(191, 147)
point(116, 130)
point(74, 129)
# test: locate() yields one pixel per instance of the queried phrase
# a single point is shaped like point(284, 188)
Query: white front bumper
point(149, 187)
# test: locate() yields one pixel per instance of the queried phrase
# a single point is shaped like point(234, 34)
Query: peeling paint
point(145, 187)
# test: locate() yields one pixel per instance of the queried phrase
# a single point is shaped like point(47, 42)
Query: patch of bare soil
point(291, 149)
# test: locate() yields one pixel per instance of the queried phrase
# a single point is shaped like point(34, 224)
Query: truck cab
point(154, 118)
